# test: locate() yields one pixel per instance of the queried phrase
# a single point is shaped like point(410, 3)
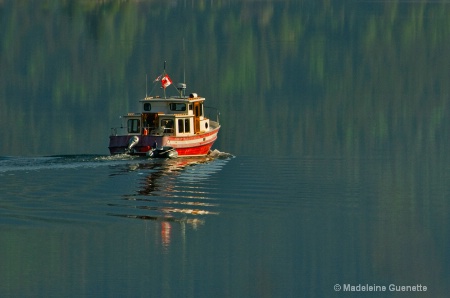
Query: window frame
point(135, 126)
point(167, 129)
point(149, 105)
point(177, 106)
point(187, 125)
point(180, 125)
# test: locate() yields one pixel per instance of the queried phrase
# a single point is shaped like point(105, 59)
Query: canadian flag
point(166, 81)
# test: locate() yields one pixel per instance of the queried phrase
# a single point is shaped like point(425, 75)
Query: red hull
point(197, 145)
point(194, 151)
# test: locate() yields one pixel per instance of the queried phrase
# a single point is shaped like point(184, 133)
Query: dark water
point(227, 226)
point(330, 172)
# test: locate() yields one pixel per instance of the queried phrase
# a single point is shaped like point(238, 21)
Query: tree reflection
point(334, 77)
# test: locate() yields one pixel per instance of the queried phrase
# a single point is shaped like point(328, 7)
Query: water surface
point(227, 226)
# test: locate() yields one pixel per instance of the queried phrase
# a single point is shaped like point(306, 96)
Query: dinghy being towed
point(162, 152)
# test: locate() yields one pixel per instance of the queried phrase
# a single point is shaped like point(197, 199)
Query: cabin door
point(197, 114)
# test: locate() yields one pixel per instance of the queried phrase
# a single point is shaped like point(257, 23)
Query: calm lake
point(330, 176)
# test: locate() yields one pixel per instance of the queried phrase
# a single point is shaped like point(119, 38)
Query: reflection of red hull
point(197, 145)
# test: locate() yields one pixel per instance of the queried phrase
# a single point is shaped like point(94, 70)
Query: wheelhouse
point(174, 116)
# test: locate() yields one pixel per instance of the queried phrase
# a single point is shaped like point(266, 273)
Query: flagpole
point(164, 76)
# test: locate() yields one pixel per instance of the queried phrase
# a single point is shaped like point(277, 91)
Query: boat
point(166, 126)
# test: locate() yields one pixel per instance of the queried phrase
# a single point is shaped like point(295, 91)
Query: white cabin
point(173, 116)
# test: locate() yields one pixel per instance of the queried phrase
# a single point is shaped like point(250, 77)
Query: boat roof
point(191, 98)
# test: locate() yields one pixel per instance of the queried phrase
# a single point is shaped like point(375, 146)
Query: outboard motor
point(132, 142)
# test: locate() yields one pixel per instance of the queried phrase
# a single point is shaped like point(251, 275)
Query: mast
point(183, 90)
point(164, 74)
point(182, 86)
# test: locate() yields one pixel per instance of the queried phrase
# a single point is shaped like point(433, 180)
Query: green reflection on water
point(289, 77)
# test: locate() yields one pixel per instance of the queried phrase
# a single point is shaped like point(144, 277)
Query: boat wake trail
point(219, 154)
point(27, 164)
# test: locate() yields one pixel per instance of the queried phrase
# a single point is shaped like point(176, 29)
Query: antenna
point(182, 86)
point(184, 63)
point(146, 88)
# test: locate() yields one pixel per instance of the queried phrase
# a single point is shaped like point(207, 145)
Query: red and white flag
point(166, 81)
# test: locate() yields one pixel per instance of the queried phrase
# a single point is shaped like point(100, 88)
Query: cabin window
point(177, 106)
point(187, 127)
point(184, 126)
point(147, 106)
point(180, 125)
point(168, 125)
point(133, 125)
point(190, 107)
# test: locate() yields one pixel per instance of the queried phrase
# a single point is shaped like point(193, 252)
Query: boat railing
point(211, 111)
point(213, 124)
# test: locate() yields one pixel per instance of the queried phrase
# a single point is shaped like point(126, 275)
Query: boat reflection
point(171, 191)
